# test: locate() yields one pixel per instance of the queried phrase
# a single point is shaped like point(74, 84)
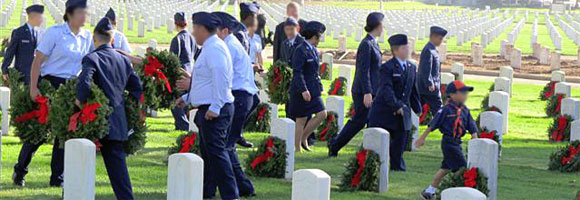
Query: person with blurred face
point(120, 42)
point(248, 17)
point(428, 77)
point(294, 38)
point(211, 93)
point(58, 58)
point(292, 10)
point(22, 44)
point(396, 98)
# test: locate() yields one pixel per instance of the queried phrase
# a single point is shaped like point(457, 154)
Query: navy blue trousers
point(399, 140)
point(217, 163)
point(434, 102)
point(180, 118)
point(353, 126)
point(114, 156)
point(27, 151)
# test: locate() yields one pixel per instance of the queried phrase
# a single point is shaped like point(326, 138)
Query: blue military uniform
point(22, 45)
point(290, 44)
point(429, 73)
point(120, 41)
point(453, 120)
point(280, 37)
point(113, 73)
point(241, 31)
point(397, 90)
point(183, 45)
point(366, 81)
point(305, 64)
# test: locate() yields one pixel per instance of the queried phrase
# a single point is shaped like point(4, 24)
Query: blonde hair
point(292, 5)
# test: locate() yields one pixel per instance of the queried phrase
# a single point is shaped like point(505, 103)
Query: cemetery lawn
point(523, 170)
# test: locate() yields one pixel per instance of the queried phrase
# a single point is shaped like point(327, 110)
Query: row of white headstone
point(570, 106)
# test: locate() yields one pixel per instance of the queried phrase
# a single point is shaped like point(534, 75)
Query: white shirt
point(255, 47)
point(243, 71)
point(120, 42)
point(212, 76)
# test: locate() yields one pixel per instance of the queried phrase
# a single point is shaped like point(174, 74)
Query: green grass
point(523, 169)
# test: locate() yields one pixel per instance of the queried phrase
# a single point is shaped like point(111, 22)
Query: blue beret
point(239, 27)
point(291, 21)
point(227, 20)
point(76, 4)
point(438, 30)
point(314, 26)
point(35, 8)
point(179, 17)
point(374, 19)
point(104, 25)
point(256, 4)
point(248, 7)
point(207, 19)
point(111, 15)
point(398, 39)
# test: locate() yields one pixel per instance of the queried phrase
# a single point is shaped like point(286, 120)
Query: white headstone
point(341, 44)
point(442, 52)
point(544, 55)
point(415, 133)
point(192, 126)
point(516, 58)
point(501, 100)
point(447, 78)
point(575, 131)
point(185, 177)
point(5, 105)
point(503, 84)
point(570, 107)
point(563, 88)
point(508, 72)
point(346, 72)
point(141, 28)
point(458, 69)
point(273, 112)
point(558, 76)
point(328, 59)
point(336, 104)
point(310, 184)
point(483, 155)
point(555, 61)
point(79, 169)
point(153, 43)
point(283, 128)
point(462, 193)
point(377, 140)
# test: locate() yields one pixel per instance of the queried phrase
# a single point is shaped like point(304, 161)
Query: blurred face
point(459, 97)
point(379, 29)
point(292, 12)
point(35, 19)
point(315, 40)
point(78, 17)
point(251, 20)
point(223, 33)
point(252, 30)
point(402, 52)
point(200, 34)
point(290, 31)
point(436, 39)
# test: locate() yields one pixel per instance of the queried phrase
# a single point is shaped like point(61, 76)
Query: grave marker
point(457, 69)
point(558, 76)
point(570, 106)
point(346, 72)
point(79, 169)
point(575, 131)
point(328, 59)
point(462, 193)
point(377, 140)
point(5, 106)
point(563, 88)
point(483, 155)
point(283, 128)
point(310, 184)
point(555, 61)
point(503, 84)
point(336, 104)
point(501, 100)
point(516, 58)
point(185, 177)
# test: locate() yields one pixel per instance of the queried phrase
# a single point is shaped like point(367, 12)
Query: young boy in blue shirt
point(453, 120)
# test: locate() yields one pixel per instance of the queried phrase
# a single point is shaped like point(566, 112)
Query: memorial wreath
point(409, 146)
point(87, 121)
point(137, 127)
point(567, 159)
point(3, 45)
point(338, 87)
point(492, 135)
point(493, 108)
point(268, 160)
point(351, 111)
point(362, 172)
point(426, 115)
point(30, 118)
point(259, 120)
point(324, 71)
point(548, 90)
point(186, 143)
point(471, 177)
point(554, 104)
point(328, 129)
point(159, 73)
point(485, 102)
point(278, 81)
point(559, 131)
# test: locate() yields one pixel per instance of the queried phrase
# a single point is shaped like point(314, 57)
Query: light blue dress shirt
point(243, 71)
point(64, 51)
point(120, 42)
point(212, 76)
point(255, 47)
point(403, 63)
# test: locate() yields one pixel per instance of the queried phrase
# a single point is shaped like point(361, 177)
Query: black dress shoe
point(248, 195)
point(332, 154)
point(244, 143)
point(18, 180)
point(306, 148)
point(56, 185)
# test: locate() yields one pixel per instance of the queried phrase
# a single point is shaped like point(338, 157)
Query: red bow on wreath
point(572, 151)
point(425, 113)
point(187, 142)
point(262, 113)
point(558, 103)
point(361, 159)
point(470, 177)
point(487, 135)
point(550, 92)
point(443, 89)
point(324, 131)
point(323, 67)
point(266, 155)
point(277, 77)
point(337, 86)
point(87, 114)
point(352, 112)
point(41, 115)
point(153, 68)
point(558, 134)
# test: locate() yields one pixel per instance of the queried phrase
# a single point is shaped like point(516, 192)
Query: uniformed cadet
point(428, 77)
point(292, 10)
point(453, 120)
point(22, 44)
point(248, 17)
point(184, 47)
point(293, 39)
point(396, 98)
point(244, 89)
point(112, 73)
point(366, 82)
point(211, 92)
point(58, 58)
point(256, 48)
point(120, 42)
point(305, 89)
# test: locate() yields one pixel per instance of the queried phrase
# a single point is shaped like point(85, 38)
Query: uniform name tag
point(310, 60)
point(396, 75)
point(25, 41)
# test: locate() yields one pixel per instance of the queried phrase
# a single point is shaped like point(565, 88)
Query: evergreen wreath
point(426, 115)
point(362, 172)
point(3, 46)
point(137, 128)
point(471, 177)
point(409, 146)
point(554, 104)
point(324, 71)
point(444, 95)
point(30, 118)
point(278, 81)
point(492, 135)
point(338, 86)
point(159, 73)
point(566, 159)
point(186, 143)
point(485, 101)
point(89, 121)
point(259, 120)
point(268, 160)
point(328, 129)
point(559, 131)
point(548, 90)
point(351, 111)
